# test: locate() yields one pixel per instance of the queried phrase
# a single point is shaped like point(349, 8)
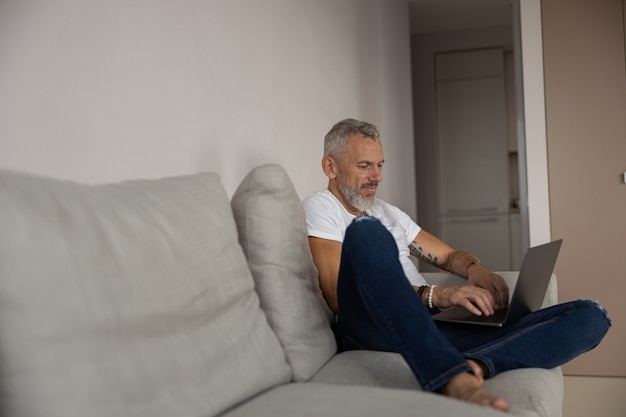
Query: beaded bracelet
point(430, 296)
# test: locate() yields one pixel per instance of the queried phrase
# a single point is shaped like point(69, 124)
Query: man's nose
point(376, 174)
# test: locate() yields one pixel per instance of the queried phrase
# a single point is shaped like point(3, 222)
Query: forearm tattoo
point(418, 252)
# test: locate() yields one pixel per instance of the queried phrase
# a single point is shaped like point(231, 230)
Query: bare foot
point(467, 387)
point(478, 371)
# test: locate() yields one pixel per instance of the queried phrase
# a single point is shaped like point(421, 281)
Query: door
point(473, 154)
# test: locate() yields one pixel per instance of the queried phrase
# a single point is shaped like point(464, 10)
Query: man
point(361, 247)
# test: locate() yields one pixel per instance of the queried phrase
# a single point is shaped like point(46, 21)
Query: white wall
point(101, 91)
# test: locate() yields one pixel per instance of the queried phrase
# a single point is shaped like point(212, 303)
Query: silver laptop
point(528, 294)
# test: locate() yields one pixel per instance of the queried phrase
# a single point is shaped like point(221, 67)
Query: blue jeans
point(380, 310)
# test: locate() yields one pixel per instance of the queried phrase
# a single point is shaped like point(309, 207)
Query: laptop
point(528, 294)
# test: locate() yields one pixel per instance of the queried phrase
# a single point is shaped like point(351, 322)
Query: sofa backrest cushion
point(272, 231)
point(132, 300)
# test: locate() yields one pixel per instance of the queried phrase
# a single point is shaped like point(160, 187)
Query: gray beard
point(357, 200)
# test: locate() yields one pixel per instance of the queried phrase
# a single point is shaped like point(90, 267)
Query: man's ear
point(329, 166)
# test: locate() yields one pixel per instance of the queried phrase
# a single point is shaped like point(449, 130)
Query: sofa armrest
point(448, 279)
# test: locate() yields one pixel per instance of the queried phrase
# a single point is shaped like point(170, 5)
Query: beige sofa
point(163, 298)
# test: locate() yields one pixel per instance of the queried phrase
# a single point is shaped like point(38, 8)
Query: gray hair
point(338, 136)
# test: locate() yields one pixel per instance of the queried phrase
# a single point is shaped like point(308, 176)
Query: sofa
point(164, 297)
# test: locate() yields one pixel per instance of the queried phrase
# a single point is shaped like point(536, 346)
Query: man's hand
point(480, 276)
point(475, 299)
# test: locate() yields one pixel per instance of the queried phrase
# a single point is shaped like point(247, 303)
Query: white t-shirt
point(327, 218)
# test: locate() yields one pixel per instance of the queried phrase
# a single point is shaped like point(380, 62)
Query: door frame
point(532, 137)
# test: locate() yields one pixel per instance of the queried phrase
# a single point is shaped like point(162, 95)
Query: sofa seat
point(328, 400)
point(539, 390)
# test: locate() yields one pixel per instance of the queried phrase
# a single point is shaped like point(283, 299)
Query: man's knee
point(594, 307)
point(365, 227)
point(595, 319)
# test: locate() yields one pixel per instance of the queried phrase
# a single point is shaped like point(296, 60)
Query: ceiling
point(449, 15)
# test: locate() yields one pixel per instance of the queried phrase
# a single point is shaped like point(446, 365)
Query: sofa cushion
point(132, 299)
point(315, 400)
point(538, 392)
point(534, 390)
point(272, 231)
point(368, 367)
